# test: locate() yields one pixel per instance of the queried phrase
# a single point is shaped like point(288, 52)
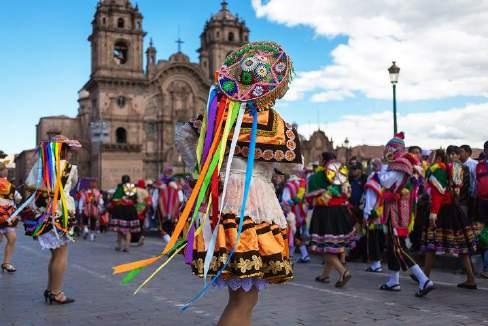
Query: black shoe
point(374, 270)
point(9, 268)
point(392, 288)
point(345, 278)
point(467, 286)
point(304, 260)
point(428, 286)
point(52, 299)
point(322, 279)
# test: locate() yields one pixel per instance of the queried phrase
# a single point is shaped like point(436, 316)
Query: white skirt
point(50, 240)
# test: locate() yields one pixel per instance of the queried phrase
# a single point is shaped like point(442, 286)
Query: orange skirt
point(262, 252)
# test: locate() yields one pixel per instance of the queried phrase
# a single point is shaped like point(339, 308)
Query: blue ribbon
point(249, 171)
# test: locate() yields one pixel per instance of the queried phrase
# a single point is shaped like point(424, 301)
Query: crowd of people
point(388, 209)
point(251, 206)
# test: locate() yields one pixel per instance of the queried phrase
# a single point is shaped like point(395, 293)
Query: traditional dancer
point(375, 230)
point(124, 213)
point(9, 197)
point(168, 205)
point(450, 231)
point(332, 226)
point(51, 213)
point(294, 199)
point(391, 187)
point(144, 202)
point(90, 206)
point(248, 247)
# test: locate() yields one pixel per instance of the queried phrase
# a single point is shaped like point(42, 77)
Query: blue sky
point(46, 60)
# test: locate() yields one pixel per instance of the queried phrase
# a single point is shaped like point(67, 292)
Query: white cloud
point(466, 125)
point(441, 46)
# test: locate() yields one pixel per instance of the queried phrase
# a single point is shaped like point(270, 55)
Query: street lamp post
point(394, 71)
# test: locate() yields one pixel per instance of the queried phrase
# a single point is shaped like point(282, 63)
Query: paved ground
point(101, 300)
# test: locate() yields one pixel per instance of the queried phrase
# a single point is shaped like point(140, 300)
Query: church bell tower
point(117, 40)
point(223, 33)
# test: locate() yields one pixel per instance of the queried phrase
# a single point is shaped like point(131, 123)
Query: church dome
point(179, 57)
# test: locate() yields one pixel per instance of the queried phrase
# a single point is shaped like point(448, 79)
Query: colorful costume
point(90, 206)
point(294, 196)
point(396, 216)
point(453, 234)
point(247, 244)
point(8, 199)
point(123, 209)
point(332, 226)
point(376, 229)
point(51, 213)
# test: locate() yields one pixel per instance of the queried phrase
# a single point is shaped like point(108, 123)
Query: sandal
point(391, 288)
point(345, 278)
point(323, 279)
point(53, 298)
point(467, 286)
point(304, 260)
point(428, 286)
point(9, 268)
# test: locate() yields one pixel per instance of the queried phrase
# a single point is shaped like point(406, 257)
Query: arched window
point(120, 23)
point(245, 38)
point(231, 37)
point(121, 136)
point(104, 20)
point(217, 34)
point(121, 52)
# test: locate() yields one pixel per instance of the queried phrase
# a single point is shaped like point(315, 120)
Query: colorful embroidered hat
point(258, 72)
point(395, 146)
point(72, 143)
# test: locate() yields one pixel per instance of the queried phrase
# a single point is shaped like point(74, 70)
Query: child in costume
point(9, 197)
point(450, 230)
point(391, 187)
point(124, 213)
point(332, 226)
point(90, 206)
point(241, 139)
point(51, 209)
point(293, 197)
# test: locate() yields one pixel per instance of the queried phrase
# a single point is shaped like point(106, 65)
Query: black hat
point(125, 179)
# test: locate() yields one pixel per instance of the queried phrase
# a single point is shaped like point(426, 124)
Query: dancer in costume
point(168, 204)
point(247, 247)
point(392, 187)
point(450, 231)
point(124, 213)
point(9, 197)
point(144, 202)
point(294, 197)
point(332, 226)
point(51, 213)
point(375, 230)
point(90, 206)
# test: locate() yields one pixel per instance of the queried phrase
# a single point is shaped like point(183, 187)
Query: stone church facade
point(128, 111)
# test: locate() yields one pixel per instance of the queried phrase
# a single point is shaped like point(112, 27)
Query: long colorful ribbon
point(248, 179)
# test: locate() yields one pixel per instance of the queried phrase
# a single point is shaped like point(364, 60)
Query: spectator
point(482, 195)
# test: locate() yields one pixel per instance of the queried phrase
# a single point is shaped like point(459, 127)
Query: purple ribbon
point(212, 113)
point(189, 245)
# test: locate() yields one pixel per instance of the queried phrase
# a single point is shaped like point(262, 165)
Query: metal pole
point(395, 127)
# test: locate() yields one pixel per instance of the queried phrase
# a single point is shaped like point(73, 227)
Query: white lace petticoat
point(49, 240)
point(242, 283)
point(262, 204)
point(7, 229)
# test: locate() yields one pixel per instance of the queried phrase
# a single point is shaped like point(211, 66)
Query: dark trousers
point(396, 253)
point(376, 243)
point(90, 221)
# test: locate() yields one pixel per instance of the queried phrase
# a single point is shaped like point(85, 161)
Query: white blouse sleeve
point(186, 142)
point(370, 201)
